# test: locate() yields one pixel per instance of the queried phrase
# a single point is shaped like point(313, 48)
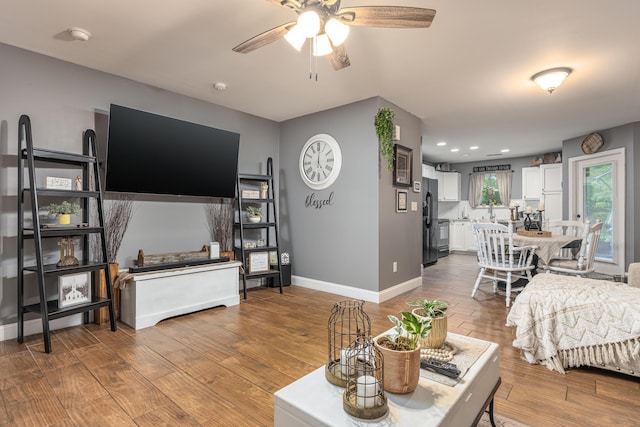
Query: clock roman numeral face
point(320, 161)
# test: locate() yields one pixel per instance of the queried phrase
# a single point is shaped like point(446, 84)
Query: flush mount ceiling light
point(549, 80)
point(79, 34)
point(327, 25)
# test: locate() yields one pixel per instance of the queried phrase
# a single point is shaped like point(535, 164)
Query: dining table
point(547, 246)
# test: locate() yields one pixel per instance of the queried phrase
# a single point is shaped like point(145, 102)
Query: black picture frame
point(402, 200)
point(402, 166)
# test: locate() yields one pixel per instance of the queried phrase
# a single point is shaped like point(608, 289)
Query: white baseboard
point(351, 292)
point(34, 326)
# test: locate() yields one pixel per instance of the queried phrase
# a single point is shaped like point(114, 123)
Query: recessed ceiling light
point(455, 150)
point(441, 144)
point(505, 150)
point(475, 147)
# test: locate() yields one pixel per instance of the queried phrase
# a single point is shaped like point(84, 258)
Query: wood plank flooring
point(221, 366)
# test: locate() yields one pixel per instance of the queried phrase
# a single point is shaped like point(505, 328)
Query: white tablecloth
point(547, 246)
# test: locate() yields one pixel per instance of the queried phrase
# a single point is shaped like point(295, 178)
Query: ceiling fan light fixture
point(321, 45)
point(337, 31)
point(295, 37)
point(309, 23)
point(549, 80)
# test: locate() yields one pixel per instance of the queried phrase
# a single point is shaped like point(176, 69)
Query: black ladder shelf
point(30, 159)
point(266, 229)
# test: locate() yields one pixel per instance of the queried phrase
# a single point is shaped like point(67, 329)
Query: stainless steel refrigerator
point(429, 221)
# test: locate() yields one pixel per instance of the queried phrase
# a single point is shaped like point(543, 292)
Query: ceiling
point(467, 76)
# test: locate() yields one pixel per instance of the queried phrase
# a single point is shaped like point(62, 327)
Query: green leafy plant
point(254, 211)
point(384, 129)
point(63, 208)
point(408, 330)
point(432, 309)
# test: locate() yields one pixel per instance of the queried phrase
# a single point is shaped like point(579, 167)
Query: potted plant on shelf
point(254, 214)
point(63, 210)
point(436, 311)
point(401, 351)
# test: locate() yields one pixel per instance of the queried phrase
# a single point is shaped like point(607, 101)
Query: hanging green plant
point(384, 130)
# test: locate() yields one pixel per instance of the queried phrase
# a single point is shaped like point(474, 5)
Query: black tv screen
point(152, 154)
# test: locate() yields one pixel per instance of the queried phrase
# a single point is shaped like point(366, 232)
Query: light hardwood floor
point(222, 366)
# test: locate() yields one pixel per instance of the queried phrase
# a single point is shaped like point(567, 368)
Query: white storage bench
point(153, 296)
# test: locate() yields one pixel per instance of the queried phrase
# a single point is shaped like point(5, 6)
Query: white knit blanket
point(565, 321)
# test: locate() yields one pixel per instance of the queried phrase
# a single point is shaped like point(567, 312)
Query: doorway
point(597, 192)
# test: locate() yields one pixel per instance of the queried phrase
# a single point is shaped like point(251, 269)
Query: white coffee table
point(313, 401)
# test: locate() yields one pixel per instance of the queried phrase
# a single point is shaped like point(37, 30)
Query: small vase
point(64, 219)
point(254, 219)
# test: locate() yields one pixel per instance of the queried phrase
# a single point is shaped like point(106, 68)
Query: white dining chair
point(498, 258)
point(585, 261)
point(577, 229)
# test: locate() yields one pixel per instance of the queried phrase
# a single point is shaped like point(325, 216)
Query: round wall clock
point(320, 161)
point(592, 143)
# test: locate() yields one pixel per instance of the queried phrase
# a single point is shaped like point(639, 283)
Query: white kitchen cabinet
point(552, 205)
point(551, 183)
point(428, 171)
point(469, 238)
point(461, 236)
point(456, 236)
point(531, 183)
point(448, 186)
point(551, 177)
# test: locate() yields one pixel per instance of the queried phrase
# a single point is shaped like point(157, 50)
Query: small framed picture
point(403, 158)
point(74, 289)
point(258, 262)
point(417, 186)
point(401, 200)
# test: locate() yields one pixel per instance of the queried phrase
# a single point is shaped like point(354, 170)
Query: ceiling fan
point(327, 24)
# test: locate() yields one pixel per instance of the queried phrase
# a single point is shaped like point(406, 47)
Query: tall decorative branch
point(117, 216)
point(116, 222)
point(219, 213)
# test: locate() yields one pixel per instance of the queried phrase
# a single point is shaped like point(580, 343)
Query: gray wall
point(354, 241)
point(61, 100)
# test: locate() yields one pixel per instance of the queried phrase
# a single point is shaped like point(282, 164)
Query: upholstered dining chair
point(578, 229)
point(585, 262)
point(498, 258)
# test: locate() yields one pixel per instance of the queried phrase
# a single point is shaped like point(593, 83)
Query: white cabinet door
point(448, 186)
point(456, 236)
point(531, 183)
point(552, 205)
point(428, 171)
point(469, 239)
point(551, 177)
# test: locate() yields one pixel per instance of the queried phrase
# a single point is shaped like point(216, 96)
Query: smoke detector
point(79, 34)
point(219, 86)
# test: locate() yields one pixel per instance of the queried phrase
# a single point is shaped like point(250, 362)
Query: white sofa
point(566, 321)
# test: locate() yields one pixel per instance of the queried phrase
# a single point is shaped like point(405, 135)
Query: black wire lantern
point(347, 323)
point(364, 395)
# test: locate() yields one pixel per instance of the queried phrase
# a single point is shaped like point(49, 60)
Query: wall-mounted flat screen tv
point(152, 154)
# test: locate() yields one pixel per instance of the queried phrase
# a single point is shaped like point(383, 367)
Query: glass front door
point(597, 194)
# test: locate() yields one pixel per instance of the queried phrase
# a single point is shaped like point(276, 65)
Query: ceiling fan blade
point(264, 39)
point(338, 58)
point(387, 16)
